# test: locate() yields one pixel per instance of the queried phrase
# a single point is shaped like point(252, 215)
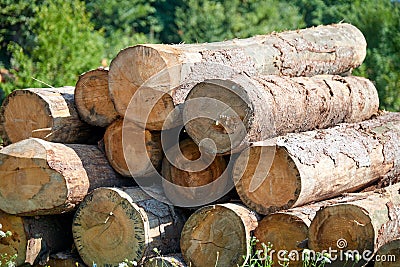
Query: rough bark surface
point(132, 150)
point(360, 221)
point(300, 168)
point(333, 49)
point(113, 224)
point(173, 260)
point(218, 233)
point(92, 99)
point(46, 113)
point(186, 167)
point(40, 177)
point(34, 238)
point(240, 110)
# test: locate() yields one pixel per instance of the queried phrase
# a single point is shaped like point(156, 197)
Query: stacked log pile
point(275, 123)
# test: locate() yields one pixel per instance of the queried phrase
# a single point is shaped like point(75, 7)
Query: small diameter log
point(158, 70)
point(240, 110)
point(287, 230)
point(34, 238)
point(300, 168)
point(192, 175)
point(92, 99)
point(46, 113)
point(40, 177)
point(388, 254)
point(357, 225)
point(218, 235)
point(173, 260)
point(112, 225)
point(124, 141)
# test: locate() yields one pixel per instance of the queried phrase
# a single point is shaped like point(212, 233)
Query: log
point(92, 99)
point(64, 259)
point(40, 177)
point(361, 224)
point(114, 224)
point(287, 230)
point(138, 154)
point(300, 168)
point(46, 113)
point(173, 260)
point(388, 254)
point(191, 177)
point(234, 112)
point(34, 238)
point(218, 235)
point(159, 69)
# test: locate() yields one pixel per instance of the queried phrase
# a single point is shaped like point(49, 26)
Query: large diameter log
point(92, 99)
point(300, 168)
point(358, 225)
point(40, 177)
point(240, 110)
point(112, 225)
point(173, 260)
point(185, 167)
point(124, 141)
point(287, 230)
point(46, 113)
point(160, 69)
point(34, 238)
point(218, 234)
point(388, 254)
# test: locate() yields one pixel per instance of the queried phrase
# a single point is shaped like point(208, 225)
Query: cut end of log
point(217, 110)
point(348, 222)
point(283, 231)
point(109, 228)
point(35, 121)
point(388, 254)
point(27, 181)
point(192, 170)
point(132, 67)
point(217, 234)
point(131, 150)
point(17, 242)
point(267, 179)
point(92, 98)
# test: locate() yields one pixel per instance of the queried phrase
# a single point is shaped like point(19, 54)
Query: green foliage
point(65, 45)
point(208, 20)
point(124, 23)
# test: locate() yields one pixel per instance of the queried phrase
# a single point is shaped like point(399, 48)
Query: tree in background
point(64, 46)
point(124, 23)
point(208, 20)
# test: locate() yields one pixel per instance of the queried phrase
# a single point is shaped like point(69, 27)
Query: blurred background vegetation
point(55, 40)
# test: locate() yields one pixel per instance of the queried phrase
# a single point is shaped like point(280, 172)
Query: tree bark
point(34, 238)
point(300, 168)
point(46, 113)
point(241, 110)
point(159, 69)
point(173, 260)
point(362, 222)
point(138, 154)
point(114, 224)
point(187, 171)
point(388, 254)
point(218, 235)
point(92, 99)
point(40, 177)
